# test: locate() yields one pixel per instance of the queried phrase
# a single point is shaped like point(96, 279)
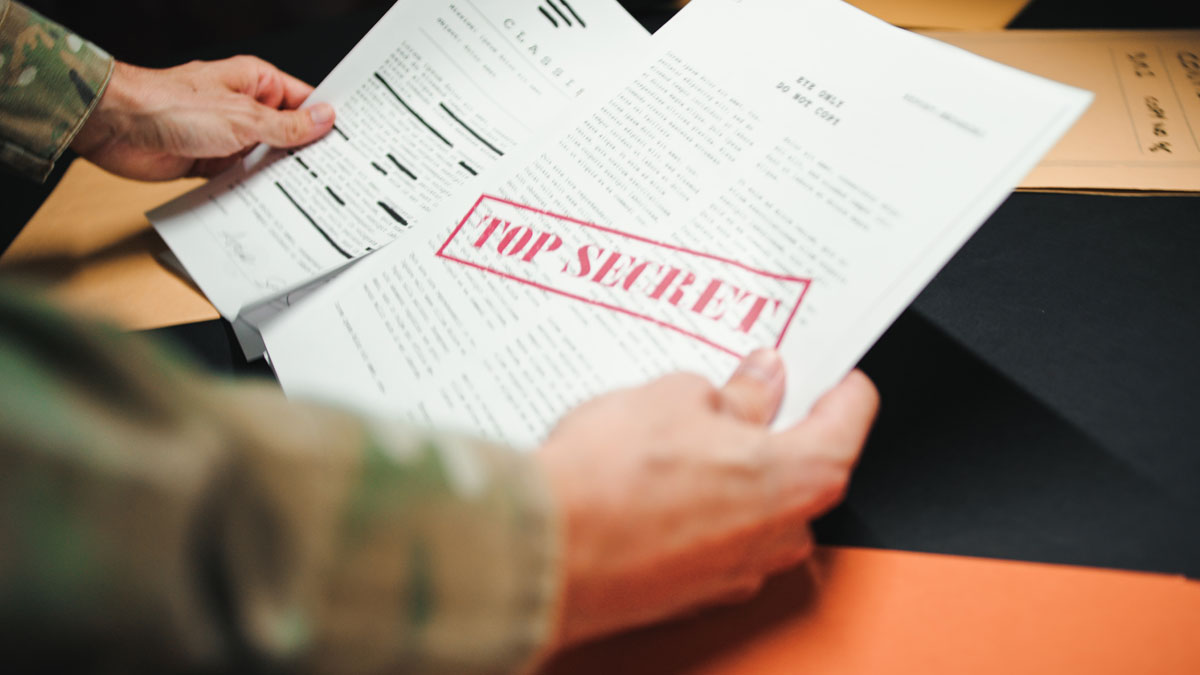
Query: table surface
point(1038, 397)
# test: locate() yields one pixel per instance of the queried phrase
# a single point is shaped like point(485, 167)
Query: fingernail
point(320, 113)
point(764, 365)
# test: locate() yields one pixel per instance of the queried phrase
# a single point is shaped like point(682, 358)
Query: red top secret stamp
point(720, 302)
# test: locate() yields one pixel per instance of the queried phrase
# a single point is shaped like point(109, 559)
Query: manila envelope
point(1142, 131)
point(944, 14)
point(92, 248)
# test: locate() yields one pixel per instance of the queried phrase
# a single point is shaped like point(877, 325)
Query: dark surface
point(963, 460)
point(1106, 15)
point(1039, 396)
point(212, 346)
point(1091, 305)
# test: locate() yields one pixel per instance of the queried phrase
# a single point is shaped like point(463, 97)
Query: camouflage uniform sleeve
point(50, 79)
point(151, 518)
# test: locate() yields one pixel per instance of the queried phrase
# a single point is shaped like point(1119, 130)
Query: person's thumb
point(755, 389)
point(290, 128)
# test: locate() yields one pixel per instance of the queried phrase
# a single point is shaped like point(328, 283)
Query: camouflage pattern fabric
point(152, 517)
point(50, 79)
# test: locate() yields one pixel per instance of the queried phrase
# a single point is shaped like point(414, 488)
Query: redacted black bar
point(411, 111)
point(314, 223)
point(471, 131)
point(392, 212)
point(402, 167)
point(559, 12)
point(574, 13)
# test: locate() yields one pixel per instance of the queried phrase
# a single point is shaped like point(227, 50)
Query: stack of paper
point(763, 172)
point(435, 94)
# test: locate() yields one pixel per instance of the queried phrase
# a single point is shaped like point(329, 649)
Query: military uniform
point(154, 516)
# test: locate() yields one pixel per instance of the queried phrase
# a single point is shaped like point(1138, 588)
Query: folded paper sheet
point(1142, 132)
point(794, 183)
point(854, 611)
point(436, 93)
point(93, 247)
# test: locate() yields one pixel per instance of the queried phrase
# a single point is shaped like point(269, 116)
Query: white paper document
point(435, 94)
point(777, 173)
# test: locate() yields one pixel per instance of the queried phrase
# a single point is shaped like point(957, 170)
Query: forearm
point(50, 81)
point(203, 523)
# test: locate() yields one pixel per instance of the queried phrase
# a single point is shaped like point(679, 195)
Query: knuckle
point(750, 586)
point(691, 382)
point(792, 557)
point(190, 67)
point(245, 136)
point(835, 486)
point(736, 592)
point(872, 393)
point(747, 406)
point(840, 443)
point(295, 127)
point(245, 60)
point(801, 551)
point(870, 399)
point(245, 67)
point(248, 129)
point(866, 393)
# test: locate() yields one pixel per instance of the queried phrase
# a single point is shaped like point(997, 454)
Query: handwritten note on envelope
point(1142, 132)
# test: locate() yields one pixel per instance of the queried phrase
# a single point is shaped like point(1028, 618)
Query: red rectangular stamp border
point(441, 253)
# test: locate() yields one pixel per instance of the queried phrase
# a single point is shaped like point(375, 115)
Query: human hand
point(676, 495)
point(196, 119)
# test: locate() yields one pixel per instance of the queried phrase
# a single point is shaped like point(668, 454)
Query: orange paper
point(91, 244)
point(870, 611)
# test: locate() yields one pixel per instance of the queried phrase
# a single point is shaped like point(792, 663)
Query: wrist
point(575, 619)
point(106, 120)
